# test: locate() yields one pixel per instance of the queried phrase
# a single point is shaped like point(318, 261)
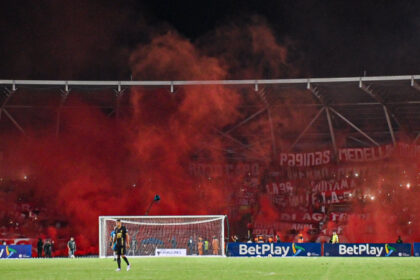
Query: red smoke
point(102, 166)
point(107, 166)
point(389, 204)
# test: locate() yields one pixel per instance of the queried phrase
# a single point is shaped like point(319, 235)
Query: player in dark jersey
point(122, 240)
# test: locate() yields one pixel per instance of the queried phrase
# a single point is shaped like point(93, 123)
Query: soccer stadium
point(221, 145)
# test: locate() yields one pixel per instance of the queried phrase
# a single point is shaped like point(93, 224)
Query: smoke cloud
point(104, 166)
point(107, 166)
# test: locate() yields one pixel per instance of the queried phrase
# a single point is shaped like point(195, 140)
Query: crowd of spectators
point(24, 219)
point(19, 217)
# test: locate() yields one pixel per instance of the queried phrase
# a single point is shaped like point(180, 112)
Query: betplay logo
point(264, 249)
point(360, 249)
point(9, 252)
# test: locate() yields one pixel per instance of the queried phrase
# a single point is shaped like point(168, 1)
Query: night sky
point(51, 39)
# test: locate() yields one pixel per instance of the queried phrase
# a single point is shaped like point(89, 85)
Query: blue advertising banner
point(367, 250)
point(15, 251)
point(274, 249)
point(416, 249)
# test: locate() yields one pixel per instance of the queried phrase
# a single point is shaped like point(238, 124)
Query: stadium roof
point(409, 78)
point(370, 110)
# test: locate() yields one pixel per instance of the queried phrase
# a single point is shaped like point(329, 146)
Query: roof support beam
point(388, 120)
point(354, 126)
point(245, 120)
point(263, 97)
point(387, 111)
point(231, 138)
point(306, 129)
point(375, 96)
point(234, 140)
point(17, 125)
point(316, 94)
point(358, 141)
point(330, 126)
point(9, 94)
point(315, 91)
point(228, 136)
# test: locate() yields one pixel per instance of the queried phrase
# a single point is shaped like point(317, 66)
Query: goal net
point(166, 235)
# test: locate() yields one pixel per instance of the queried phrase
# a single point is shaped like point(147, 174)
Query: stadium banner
point(15, 251)
point(416, 249)
point(305, 159)
point(207, 169)
point(274, 249)
point(367, 250)
point(347, 155)
point(171, 252)
point(364, 154)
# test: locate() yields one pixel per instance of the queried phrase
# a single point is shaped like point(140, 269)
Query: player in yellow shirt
point(334, 238)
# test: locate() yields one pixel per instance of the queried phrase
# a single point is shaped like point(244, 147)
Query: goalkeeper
point(113, 244)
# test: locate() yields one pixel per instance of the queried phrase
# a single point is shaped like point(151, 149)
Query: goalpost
point(167, 235)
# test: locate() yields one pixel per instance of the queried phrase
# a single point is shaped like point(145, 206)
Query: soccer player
point(123, 241)
point(113, 244)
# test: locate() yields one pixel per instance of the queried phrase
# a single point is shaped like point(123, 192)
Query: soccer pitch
point(214, 268)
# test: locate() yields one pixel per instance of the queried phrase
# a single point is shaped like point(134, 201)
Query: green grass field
point(214, 268)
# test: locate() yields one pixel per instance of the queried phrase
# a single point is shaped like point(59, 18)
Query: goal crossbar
point(163, 217)
point(167, 224)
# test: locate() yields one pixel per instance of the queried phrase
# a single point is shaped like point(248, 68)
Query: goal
point(167, 235)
